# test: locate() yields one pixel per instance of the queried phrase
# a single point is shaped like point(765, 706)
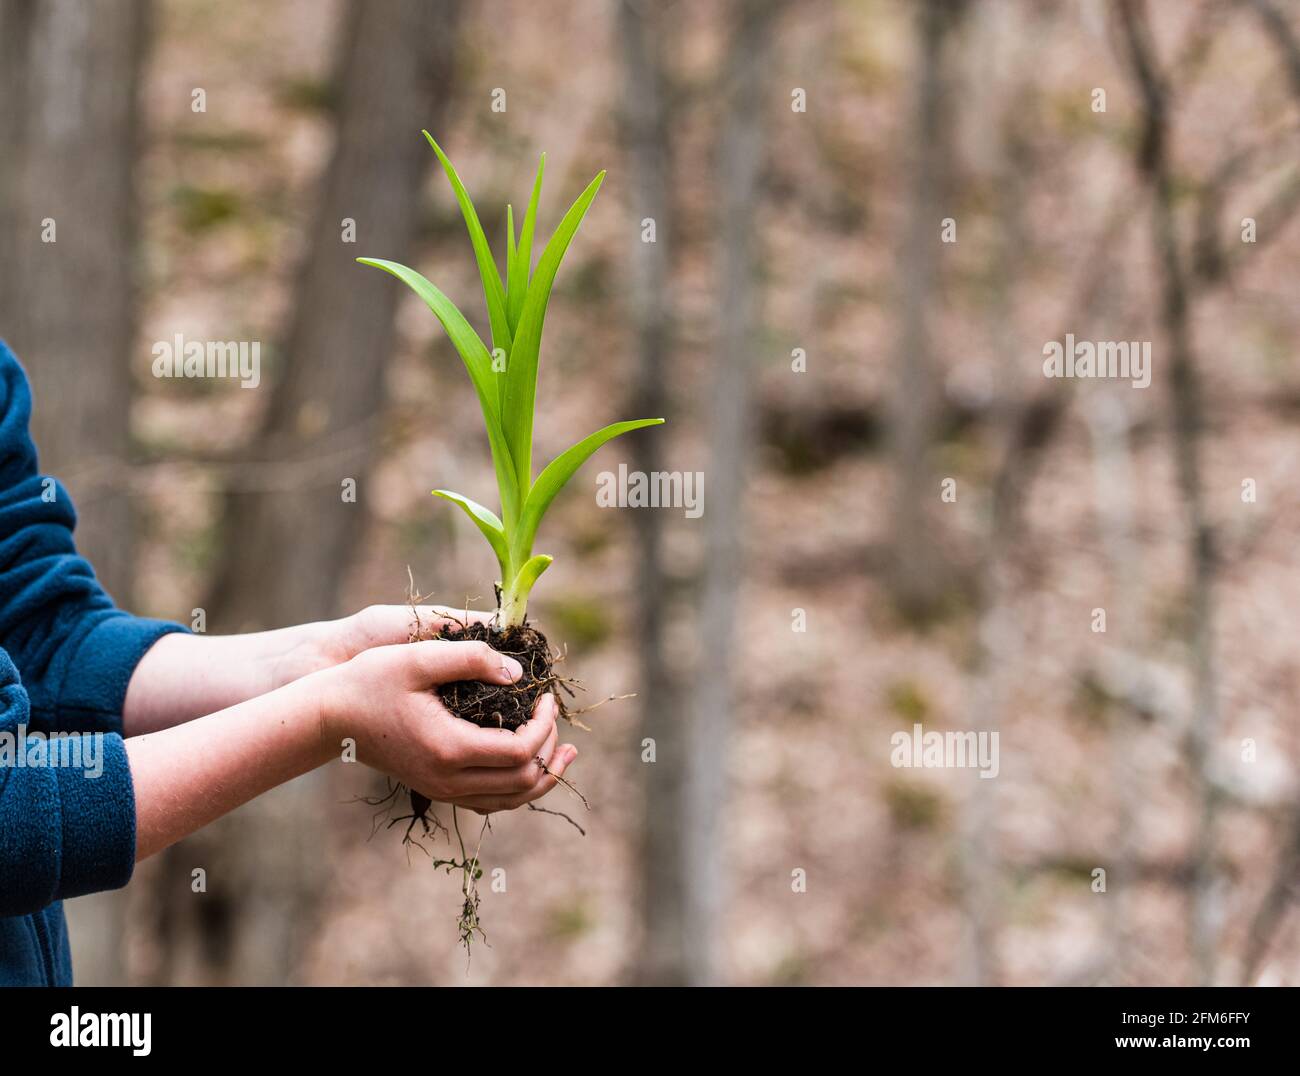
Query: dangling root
point(421, 815)
point(560, 814)
point(468, 921)
point(561, 780)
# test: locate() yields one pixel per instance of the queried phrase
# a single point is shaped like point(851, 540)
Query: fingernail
point(512, 669)
point(570, 754)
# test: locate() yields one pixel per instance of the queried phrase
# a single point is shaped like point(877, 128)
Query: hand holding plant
point(382, 700)
point(505, 381)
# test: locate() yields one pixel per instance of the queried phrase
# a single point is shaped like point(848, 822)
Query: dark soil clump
point(500, 706)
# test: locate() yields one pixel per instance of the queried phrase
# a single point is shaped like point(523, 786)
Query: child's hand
point(183, 676)
point(332, 642)
point(383, 698)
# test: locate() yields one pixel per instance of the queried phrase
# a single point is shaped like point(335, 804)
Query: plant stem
point(512, 608)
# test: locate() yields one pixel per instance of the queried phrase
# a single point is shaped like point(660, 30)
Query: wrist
point(326, 690)
point(305, 738)
point(309, 649)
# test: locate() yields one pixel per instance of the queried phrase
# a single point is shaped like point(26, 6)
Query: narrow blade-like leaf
point(487, 268)
point(511, 284)
point(558, 472)
point(510, 250)
point(486, 521)
point(478, 362)
point(521, 374)
point(521, 265)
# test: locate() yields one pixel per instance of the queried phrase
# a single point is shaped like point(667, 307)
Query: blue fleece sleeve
point(73, 648)
point(67, 809)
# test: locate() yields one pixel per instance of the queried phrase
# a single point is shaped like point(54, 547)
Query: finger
point(384, 625)
point(502, 780)
point(436, 662)
point(468, 745)
point(560, 761)
point(471, 745)
point(534, 733)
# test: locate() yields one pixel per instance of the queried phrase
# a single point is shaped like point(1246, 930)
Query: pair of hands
point(378, 689)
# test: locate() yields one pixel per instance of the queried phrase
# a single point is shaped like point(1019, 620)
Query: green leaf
point(514, 598)
point(487, 268)
point(474, 354)
point(558, 472)
point(528, 574)
point(511, 285)
point(510, 251)
point(521, 264)
point(521, 374)
point(486, 521)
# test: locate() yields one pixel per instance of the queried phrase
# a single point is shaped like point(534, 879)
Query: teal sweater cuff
point(93, 690)
point(97, 810)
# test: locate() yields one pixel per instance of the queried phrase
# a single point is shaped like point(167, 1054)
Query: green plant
point(505, 381)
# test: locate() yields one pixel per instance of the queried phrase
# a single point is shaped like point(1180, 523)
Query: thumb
point(436, 662)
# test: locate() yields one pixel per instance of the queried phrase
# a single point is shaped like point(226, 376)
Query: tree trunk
point(730, 438)
point(287, 550)
point(918, 578)
point(394, 77)
point(1109, 430)
point(1188, 422)
point(70, 70)
point(646, 126)
point(69, 127)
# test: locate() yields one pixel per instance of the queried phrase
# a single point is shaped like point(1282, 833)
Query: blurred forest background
point(827, 361)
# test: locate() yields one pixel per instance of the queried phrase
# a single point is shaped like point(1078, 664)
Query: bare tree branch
point(1154, 162)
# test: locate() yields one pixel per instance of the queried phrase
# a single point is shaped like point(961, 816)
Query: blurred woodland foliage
point(827, 359)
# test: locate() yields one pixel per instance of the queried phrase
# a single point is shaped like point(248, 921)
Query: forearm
point(188, 776)
point(186, 676)
point(183, 677)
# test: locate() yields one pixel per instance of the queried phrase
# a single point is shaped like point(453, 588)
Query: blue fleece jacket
point(67, 654)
